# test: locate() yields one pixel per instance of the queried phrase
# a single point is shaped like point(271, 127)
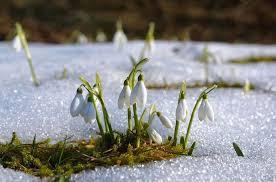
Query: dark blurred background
point(54, 21)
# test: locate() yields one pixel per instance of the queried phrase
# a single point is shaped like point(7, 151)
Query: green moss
point(254, 59)
point(44, 171)
point(64, 158)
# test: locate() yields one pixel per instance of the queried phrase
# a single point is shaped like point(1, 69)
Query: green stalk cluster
point(108, 132)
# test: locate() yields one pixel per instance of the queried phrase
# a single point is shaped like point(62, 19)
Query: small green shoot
point(21, 34)
point(190, 153)
point(237, 149)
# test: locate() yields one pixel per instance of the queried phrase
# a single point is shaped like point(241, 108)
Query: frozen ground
point(247, 119)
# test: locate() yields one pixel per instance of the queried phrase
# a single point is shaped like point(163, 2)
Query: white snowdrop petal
point(151, 46)
point(179, 113)
point(201, 111)
point(142, 94)
point(165, 121)
point(76, 105)
point(124, 97)
point(17, 44)
point(133, 95)
point(186, 109)
point(89, 113)
point(156, 137)
point(121, 99)
point(127, 95)
point(209, 111)
point(119, 39)
point(181, 110)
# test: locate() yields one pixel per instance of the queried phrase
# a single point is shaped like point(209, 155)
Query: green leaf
point(237, 149)
point(141, 63)
point(86, 84)
point(190, 153)
point(99, 84)
point(137, 67)
point(152, 109)
point(142, 115)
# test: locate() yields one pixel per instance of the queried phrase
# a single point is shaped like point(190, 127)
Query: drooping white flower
point(77, 103)
point(124, 97)
point(82, 39)
point(205, 110)
point(156, 137)
point(85, 102)
point(181, 110)
point(16, 43)
point(119, 38)
point(164, 120)
point(149, 46)
point(89, 112)
point(139, 93)
point(101, 37)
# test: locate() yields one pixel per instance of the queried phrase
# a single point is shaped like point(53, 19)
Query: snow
point(247, 119)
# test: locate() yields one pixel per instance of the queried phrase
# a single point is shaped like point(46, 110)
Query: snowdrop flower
point(119, 39)
point(149, 47)
point(154, 135)
point(16, 43)
point(82, 39)
point(89, 112)
point(86, 99)
point(181, 109)
point(124, 97)
point(101, 37)
point(205, 110)
point(77, 103)
point(139, 93)
point(164, 120)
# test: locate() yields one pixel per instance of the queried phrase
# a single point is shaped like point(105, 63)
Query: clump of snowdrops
point(132, 98)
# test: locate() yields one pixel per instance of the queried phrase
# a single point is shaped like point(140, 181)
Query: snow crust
point(247, 119)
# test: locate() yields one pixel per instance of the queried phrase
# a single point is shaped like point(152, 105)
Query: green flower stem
point(129, 119)
point(137, 125)
point(25, 46)
point(206, 69)
point(205, 92)
point(106, 119)
point(175, 133)
point(98, 117)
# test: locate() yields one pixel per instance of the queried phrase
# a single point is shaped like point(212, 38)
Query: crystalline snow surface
point(248, 119)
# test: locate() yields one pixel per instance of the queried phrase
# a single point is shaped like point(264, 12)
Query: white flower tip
point(165, 120)
point(16, 43)
point(124, 97)
point(205, 111)
point(89, 113)
point(76, 105)
point(154, 136)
